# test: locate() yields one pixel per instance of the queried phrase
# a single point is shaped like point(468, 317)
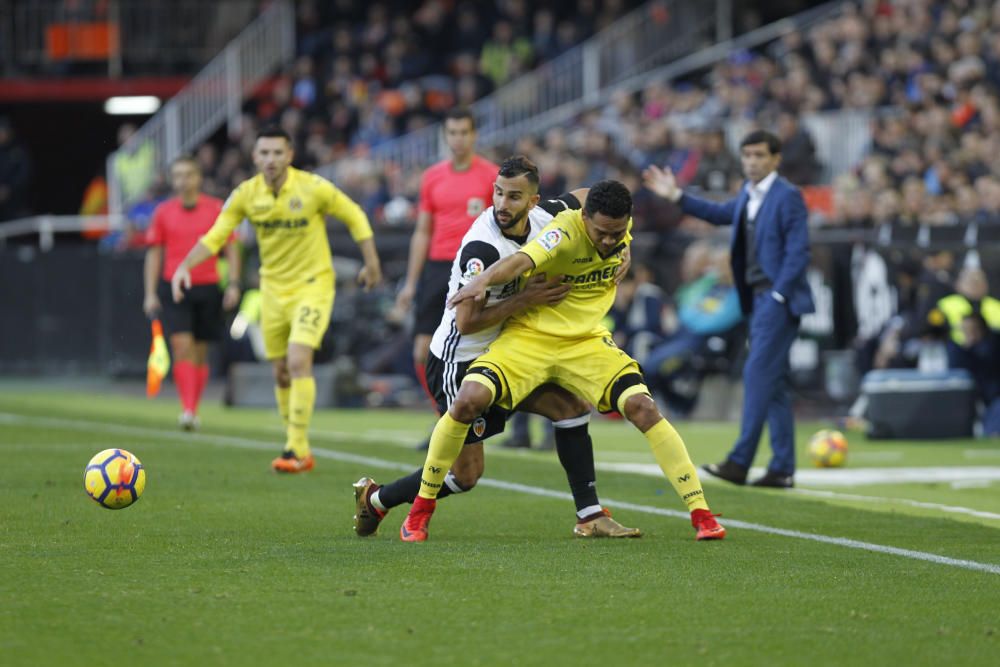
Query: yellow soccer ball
point(114, 478)
point(828, 449)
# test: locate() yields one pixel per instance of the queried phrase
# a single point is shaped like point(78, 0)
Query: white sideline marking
point(850, 476)
point(373, 462)
point(971, 484)
point(981, 453)
point(953, 509)
point(876, 456)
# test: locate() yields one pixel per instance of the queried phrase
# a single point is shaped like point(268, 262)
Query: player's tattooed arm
point(472, 316)
point(623, 268)
point(500, 273)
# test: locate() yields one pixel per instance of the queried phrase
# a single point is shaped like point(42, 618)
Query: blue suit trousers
point(766, 390)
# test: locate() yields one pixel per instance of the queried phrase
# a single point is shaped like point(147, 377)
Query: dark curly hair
point(609, 198)
point(519, 165)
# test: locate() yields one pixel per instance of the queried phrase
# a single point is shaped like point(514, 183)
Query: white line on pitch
point(981, 453)
point(850, 476)
point(953, 509)
point(373, 462)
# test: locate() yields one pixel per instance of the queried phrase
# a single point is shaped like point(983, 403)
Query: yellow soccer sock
point(281, 396)
point(446, 444)
point(300, 403)
point(672, 455)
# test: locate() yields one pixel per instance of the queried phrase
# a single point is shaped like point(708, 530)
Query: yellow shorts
point(295, 316)
point(522, 359)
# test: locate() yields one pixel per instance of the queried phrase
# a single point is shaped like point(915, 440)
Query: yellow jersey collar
point(290, 175)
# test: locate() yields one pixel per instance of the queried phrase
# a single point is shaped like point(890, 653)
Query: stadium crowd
point(933, 86)
point(928, 70)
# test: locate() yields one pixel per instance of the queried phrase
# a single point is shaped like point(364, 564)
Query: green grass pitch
point(222, 562)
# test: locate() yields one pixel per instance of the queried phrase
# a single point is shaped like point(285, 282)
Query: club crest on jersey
point(474, 207)
point(479, 427)
point(473, 268)
point(550, 239)
point(294, 204)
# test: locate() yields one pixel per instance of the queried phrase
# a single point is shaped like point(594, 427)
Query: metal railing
point(656, 33)
point(45, 227)
point(213, 97)
point(142, 36)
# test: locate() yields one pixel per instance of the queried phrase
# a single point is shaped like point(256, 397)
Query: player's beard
point(513, 222)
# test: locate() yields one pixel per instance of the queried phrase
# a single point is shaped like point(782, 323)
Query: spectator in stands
point(505, 55)
point(638, 313)
point(934, 282)
point(798, 151)
point(134, 166)
point(718, 169)
point(971, 297)
point(706, 307)
point(979, 354)
point(15, 173)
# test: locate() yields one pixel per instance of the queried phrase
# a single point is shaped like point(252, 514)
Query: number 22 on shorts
point(309, 316)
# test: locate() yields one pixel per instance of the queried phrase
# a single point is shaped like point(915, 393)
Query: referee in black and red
point(177, 225)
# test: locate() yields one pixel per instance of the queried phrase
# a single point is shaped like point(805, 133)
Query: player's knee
point(282, 377)
point(467, 474)
point(472, 401)
point(573, 406)
point(299, 363)
point(641, 410)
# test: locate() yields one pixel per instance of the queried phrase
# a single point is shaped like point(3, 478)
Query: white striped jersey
point(483, 245)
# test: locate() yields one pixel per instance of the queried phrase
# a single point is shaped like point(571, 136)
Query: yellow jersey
point(290, 226)
point(563, 248)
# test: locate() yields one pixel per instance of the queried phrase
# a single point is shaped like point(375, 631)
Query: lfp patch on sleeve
point(550, 239)
point(473, 268)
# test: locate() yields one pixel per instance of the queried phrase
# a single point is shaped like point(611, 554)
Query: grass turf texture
point(223, 562)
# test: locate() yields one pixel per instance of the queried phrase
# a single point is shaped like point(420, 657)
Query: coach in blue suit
point(770, 255)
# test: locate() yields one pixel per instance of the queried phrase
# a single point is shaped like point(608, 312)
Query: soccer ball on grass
point(828, 449)
point(114, 478)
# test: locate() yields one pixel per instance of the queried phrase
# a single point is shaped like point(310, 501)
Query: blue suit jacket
point(782, 241)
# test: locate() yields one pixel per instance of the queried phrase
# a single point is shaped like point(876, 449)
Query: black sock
point(576, 454)
point(405, 489)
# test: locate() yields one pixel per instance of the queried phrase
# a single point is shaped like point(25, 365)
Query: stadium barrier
point(98, 325)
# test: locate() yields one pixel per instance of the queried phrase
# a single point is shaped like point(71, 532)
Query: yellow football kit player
point(296, 270)
point(566, 344)
point(296, 274)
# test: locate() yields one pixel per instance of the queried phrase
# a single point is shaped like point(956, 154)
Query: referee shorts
point(432, 291)
point(199, 314)
point(444, 378)
point(592, 367)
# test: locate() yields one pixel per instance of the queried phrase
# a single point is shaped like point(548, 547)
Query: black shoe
point(775, 481)
point(514, 442)
point(727, 470)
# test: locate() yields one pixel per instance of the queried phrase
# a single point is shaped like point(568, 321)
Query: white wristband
point(777, 296)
